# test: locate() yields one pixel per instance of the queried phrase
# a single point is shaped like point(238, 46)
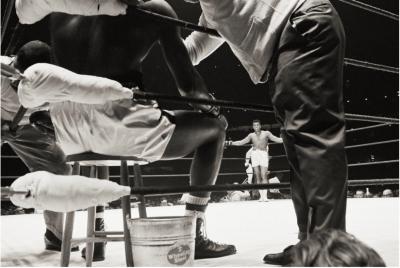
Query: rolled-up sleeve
point(201, 45)
point(49, 83)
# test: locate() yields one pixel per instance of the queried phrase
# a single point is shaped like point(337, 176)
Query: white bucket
point(163, 241)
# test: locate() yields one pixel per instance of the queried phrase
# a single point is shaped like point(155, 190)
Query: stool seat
point(90, 159)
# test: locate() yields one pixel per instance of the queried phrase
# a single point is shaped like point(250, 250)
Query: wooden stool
point(95, 161)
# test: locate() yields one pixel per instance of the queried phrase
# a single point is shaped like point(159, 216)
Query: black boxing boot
point(282, 258)
point(206, 248)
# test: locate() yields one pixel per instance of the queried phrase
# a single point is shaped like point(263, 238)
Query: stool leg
point(90, 226)
point(90, 233)
point(66, 239)
point(68, 229)
point(139, 183)
point(126, 214)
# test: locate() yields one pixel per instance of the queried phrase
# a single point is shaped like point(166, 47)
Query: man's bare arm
point(188, 80)
point(274, 138)
point(240, 142)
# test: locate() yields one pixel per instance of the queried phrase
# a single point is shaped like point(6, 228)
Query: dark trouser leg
point(39, 151)
point(308, 102)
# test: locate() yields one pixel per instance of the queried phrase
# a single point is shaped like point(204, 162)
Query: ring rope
point(246, 106)
point(370, 118)
point(159, 191)
point(371, 144)
point(15, 37)
point(373, 163)
point(372, 9)
point(6, 18)
point(346, 147)
point(233, 173)
point(140, 95)
point(250, 145)
point(222, 103)
point(147, 190)
point(247, 145)
point(351, 183)
point(367, 127)
point(179, 23)
point(179, 159)
point(372, 66)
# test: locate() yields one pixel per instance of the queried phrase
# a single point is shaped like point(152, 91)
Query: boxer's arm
point(274, 138)
point(240, 142)
point(201, 45)
point(188, 80)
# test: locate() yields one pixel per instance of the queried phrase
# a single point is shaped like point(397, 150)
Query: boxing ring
point(254, 227)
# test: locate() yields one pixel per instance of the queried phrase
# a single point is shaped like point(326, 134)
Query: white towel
point(63, 193)
point(31, 11)
point(45, 82)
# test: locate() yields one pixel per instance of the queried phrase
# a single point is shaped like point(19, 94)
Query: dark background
point(370, 37)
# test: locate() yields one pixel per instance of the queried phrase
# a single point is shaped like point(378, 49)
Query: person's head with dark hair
point(334, 248)
point(256, 125)
point(31, 53)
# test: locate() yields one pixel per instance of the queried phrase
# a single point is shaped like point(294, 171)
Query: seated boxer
point(114, 47)
point(96, 114)
point(35, 146)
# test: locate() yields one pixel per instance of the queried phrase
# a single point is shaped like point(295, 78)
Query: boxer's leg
point(264, 179)
point(205, 136)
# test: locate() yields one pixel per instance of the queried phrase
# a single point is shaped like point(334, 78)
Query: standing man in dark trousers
point(297, 45)
point(34, 144)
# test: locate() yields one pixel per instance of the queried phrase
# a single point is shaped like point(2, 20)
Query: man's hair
point(334, 248)
point(257, 121)
point(31, 53)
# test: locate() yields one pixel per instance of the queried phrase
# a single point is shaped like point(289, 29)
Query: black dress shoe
point(52, 242)
point(282, 258)
point(98, 252)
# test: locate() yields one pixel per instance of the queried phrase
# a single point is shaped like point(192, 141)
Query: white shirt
point(9, 98)
point(95, 114)
point(250, 27)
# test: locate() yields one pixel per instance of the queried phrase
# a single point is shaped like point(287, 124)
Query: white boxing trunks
point(259, 158)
